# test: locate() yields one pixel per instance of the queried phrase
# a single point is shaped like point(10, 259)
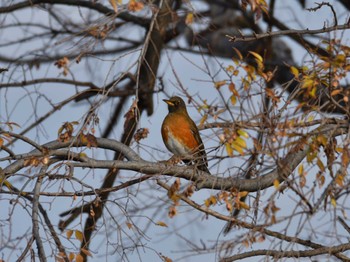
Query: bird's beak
point(170, 103)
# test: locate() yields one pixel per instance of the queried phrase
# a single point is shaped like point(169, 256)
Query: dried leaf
point(141, 133)
point(189, 18)
point(129, 225)
point(333, 202)
point(161, 224)
point(79, 235)
point(233, 99)
point(79, 258)
point(294, 71)
point(69, 233)
point(229, 149)
point(219, 84)
point(135, 6)
point(172, 211)
point(71, 256)
point(243, 133)
point(114, 5)
point(301, 169)
point(276, 183)
point(86, 252)
point(257, 56)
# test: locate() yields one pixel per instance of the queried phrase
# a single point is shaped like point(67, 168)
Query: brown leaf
point(141, 133)
point(172, 211)
point(69, 233)
point(79, 235)
point(79, 258)
point(161, 224)
point(131, 114)
point(86, 252)
point(135, 6)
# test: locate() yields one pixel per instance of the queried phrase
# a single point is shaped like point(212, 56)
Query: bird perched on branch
point(181, 136)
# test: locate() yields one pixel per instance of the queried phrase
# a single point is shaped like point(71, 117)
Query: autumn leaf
point(276, 183)
point(295, 72)
point(114, 5)
point(86, 252)
point(79, 258)
point(135, 6)
point(69, 233)
point(301, 169)
point(172, 211)
point(229, 149)
point(257, 56)
point(161, 224)
point(129, 225)
point(141, 133)
point(189, 18)
point(233, 99)
point(333, 202)
point(71, 256)
point(219, 84)
point(210, 201)
point(79, 235)
point(243, 133)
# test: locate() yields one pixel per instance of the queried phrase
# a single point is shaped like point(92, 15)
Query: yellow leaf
point(69, 233)
point(241, 142)
point(114, 5)
point(257, 56)
point(161, 224)
point(243, 133)
point(294, 71)
point(210, 201)
point(219, 84)
point(312, 93)
point(243, 194)
point(307, 82)
point(301, 170)
point(237, 147)
point(276, 183)
point(129, 225)
point(189, 18)
point(320, 165)
point(233, 99)
point(229, 149)
point(322, 140)
point(339, 180)
point(204, 118)
point(79, 235)
point(71, 256)
point(334, 203)
point(243, 205)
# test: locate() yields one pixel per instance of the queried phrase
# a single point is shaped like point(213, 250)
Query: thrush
point(181, 136)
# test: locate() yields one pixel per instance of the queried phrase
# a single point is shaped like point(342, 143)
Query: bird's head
point(175, 104)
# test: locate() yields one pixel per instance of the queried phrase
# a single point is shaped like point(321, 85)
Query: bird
point(181, 136)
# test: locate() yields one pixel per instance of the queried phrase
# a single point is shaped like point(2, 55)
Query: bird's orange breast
point(178, 135)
